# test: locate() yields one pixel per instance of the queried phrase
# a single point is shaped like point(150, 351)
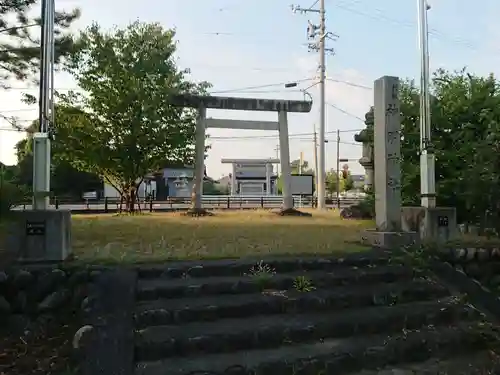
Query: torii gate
point(202, 103)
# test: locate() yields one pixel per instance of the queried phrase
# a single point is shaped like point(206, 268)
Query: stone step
point(332, 356)
point(241, 266)
point(481, 363)
point(150, 289)
point(157, 342)
point(211, 308)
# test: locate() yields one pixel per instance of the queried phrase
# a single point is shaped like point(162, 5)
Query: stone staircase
point(357, 314)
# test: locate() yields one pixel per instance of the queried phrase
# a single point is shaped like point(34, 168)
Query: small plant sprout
point(262, 272)
point(303, 284)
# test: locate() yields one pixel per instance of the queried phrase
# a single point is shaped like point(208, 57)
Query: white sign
point(251, 170)
point(302, 184)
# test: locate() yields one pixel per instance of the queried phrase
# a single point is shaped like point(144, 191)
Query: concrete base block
point(40, 235)
point(389, 240)
point(437, 224)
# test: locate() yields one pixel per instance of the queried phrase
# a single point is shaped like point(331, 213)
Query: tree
point(10, 193)
point(20, 51)
point(466, 140)
point(124, 128)
point(295, 165)
point(331, 183)
point(348, 182)
point(66, 181)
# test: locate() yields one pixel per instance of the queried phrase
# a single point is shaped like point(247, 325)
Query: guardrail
point(111, 205)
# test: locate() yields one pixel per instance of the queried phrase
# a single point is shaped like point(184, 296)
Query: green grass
point(158, 237)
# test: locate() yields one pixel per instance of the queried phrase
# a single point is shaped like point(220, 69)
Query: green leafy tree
point(10, 193)
point(20, 49)
point(124, 128)
point(66, 181)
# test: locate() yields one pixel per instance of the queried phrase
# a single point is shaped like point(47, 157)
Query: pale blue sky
point(262, 42)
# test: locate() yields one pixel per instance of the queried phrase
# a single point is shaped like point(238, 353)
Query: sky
point(237, 45)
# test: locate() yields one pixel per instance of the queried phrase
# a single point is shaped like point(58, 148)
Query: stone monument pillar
point(387, 139)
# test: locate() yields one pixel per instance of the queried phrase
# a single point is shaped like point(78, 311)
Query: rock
point(460, 253)
point(95, 274)
point(5, 307)
point(20, 302)
point(196, 271)
point(79, 294)
point(48, 283)
point(86, 304)
point(471, 253)
point(354, 212)
point(18, 324)
point(473, 270)
point(22, 279)
point(54, 301)
point(483, 255)
point(82, 337)
point(3, 278)
point(78, 277)
point(495, 281)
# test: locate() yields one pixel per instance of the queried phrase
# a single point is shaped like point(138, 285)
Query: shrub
point(10, 195)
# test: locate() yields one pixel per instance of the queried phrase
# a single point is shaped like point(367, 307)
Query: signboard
point(243, 171)
point(302, 184)
point(35, 228)
point(443, 221)
point(178, 173)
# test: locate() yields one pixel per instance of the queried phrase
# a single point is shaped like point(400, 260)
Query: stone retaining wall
point(44, 290)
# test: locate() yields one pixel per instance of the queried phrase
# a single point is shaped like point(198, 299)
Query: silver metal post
point(427, 158)
point(41, 141)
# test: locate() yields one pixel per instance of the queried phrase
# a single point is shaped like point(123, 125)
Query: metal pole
point(41, 141)
point(315, 151)
point(338, 169)
point(42, 105)
point(322, 126)
point(301, 160)
point(427, 158)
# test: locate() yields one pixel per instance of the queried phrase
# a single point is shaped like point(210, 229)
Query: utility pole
point(277, 149)
point(318, 34)
point(315, 153)
point(338, 169)
point(427, 158)
point(41, 139)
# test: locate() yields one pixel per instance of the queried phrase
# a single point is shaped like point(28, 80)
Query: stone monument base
point(436, 224)
point(40, 235)
point(389, 240)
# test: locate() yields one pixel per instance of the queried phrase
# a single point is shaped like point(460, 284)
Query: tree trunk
point(132, 201)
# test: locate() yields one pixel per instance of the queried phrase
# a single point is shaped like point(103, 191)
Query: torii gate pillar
point(202, 103)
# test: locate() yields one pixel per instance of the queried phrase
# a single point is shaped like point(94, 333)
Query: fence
point(111, 205)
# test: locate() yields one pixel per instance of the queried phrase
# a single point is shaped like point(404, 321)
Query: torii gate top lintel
point(241, 104)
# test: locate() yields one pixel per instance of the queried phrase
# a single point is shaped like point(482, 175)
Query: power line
point(15, 28)
point(282, 84)
point(433, 31)
point(345, 112)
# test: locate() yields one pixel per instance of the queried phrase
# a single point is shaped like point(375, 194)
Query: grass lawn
point(229, 234)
